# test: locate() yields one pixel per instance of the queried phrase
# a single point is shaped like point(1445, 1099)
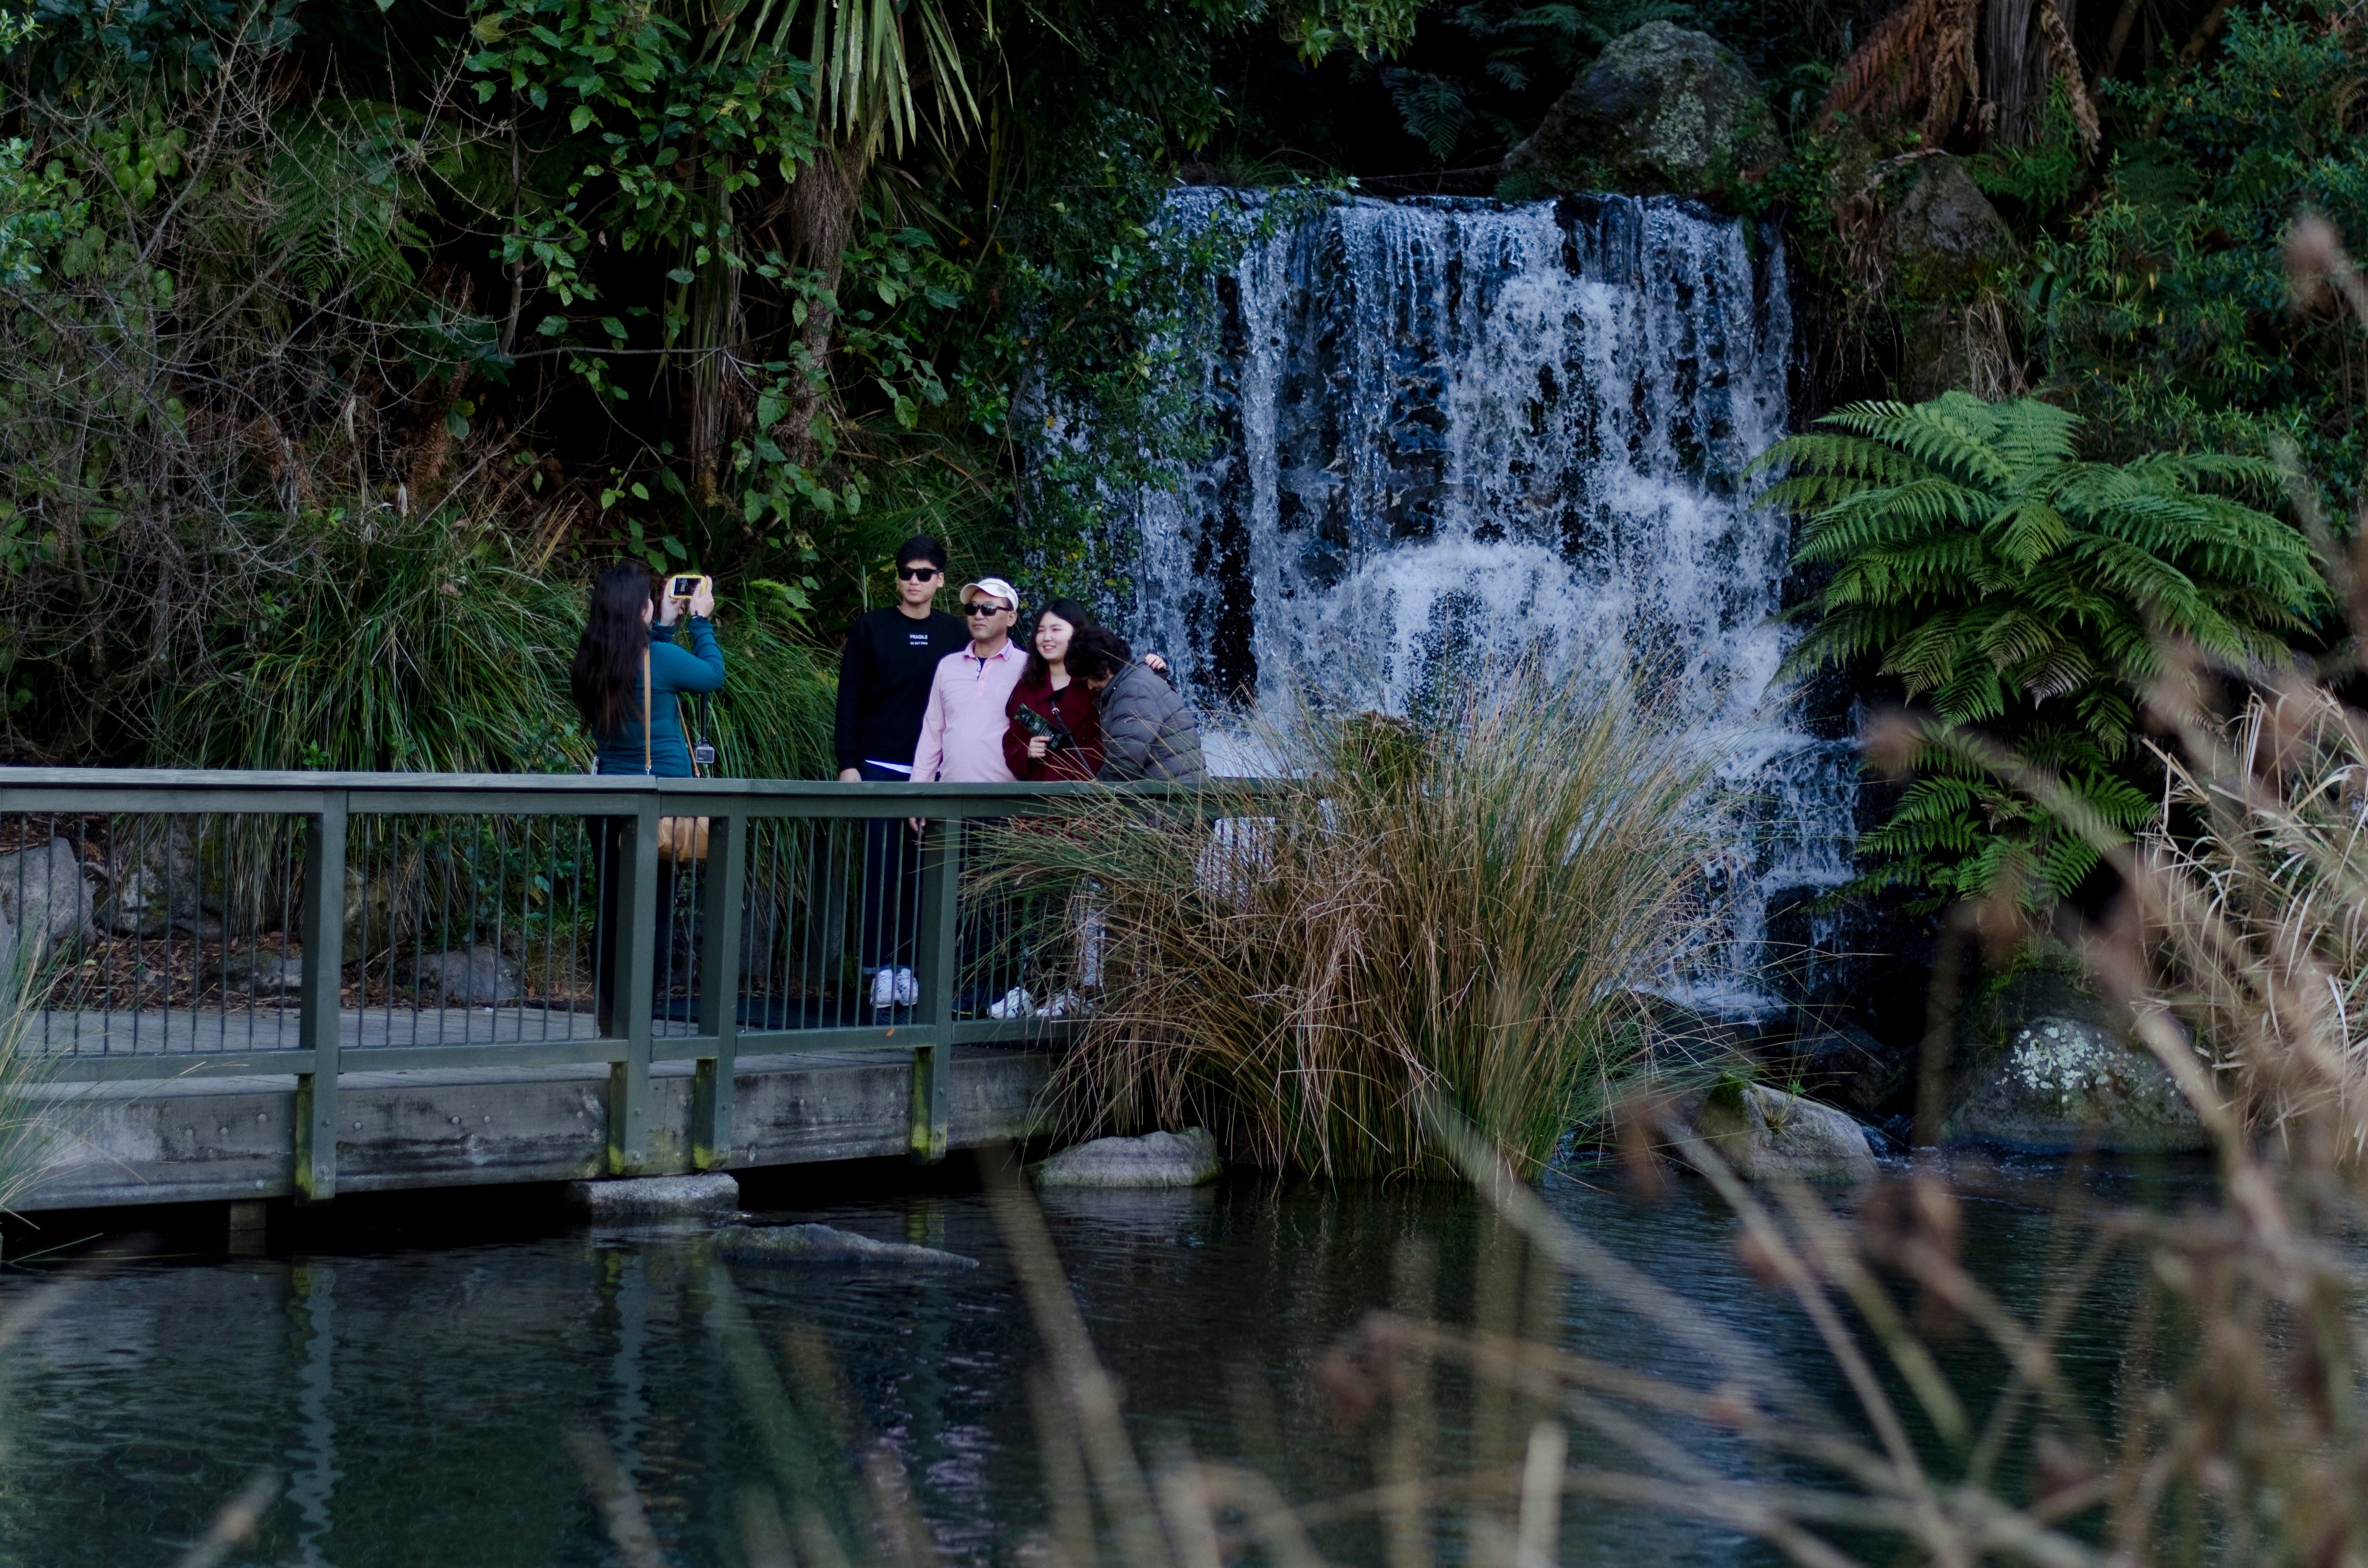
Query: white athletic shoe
point(1067, 1004)
point(908, 989)
point(884, 989)
point(1016, 1003)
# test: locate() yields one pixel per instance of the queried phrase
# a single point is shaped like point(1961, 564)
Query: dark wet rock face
point(1662, 109)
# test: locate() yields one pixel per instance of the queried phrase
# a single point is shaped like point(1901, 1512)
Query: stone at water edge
point(826, 1243)
point(1156, 1159)
point(1663, 109)
point(710, 1192)
point(1763, 1133)
point(2063, 1084)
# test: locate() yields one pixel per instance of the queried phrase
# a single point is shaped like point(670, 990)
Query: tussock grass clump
point(425, 643)
point(1461, 908)
point(2255, 903)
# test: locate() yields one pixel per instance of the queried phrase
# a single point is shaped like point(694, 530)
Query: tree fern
point(2013, 588)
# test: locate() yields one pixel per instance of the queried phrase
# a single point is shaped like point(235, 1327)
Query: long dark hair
point(1039, 672)
point(605, 677)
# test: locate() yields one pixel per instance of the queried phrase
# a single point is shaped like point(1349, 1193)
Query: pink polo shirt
point(962, 728)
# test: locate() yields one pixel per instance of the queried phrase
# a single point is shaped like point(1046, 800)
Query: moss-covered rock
point(1763, 1133)
point(1663, 109)
point(2062, 1083)
point(1942, 240)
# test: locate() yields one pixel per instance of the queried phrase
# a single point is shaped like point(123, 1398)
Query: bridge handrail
point(328, 802)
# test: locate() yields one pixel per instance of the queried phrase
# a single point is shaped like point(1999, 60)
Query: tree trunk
point(2014, 89)
point(2118, 39)
point(824, 203)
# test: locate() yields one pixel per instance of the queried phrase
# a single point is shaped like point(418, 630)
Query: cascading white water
point(1453, 428)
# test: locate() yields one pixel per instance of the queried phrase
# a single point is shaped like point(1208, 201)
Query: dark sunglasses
point(981, 607)
point(917, 574)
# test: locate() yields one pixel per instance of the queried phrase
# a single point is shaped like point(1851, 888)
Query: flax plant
point(1462, 906)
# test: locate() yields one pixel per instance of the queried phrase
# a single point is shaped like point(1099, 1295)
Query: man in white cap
point(962, 725)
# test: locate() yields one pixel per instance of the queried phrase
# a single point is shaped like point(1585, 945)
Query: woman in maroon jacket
point(1065, 739)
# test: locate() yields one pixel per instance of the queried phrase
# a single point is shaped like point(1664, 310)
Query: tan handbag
point(680, 838)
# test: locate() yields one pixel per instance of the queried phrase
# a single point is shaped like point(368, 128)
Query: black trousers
point(890, 933)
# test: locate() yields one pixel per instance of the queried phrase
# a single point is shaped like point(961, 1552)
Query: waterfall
point(1449, 427)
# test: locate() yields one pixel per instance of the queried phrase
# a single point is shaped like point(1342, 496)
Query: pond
point(416, 1399)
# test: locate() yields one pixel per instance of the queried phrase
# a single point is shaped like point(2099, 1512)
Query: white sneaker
point(1067, 1004)
point(884, 989)
point(908, 989)
point(1016, 1003)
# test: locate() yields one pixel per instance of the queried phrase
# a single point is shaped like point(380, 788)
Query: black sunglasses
point(981, 607)
point(917, 574)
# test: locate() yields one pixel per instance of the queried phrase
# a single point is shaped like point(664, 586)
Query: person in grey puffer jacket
point(1148, 732)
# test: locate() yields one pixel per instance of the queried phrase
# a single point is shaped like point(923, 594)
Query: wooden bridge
point(488, 1018)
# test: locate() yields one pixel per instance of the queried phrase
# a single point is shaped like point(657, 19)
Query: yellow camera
point(686, 585)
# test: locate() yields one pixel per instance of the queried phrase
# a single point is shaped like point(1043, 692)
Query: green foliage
point(386, 642)
point(2161, 307)
point(2024, 593)
point(422, 643)
point(773, 717)
point(1096, 364)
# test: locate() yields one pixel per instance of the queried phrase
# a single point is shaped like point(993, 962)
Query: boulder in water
point(644, 1198)
point(826, 1244)
point(1762, 1134)
point(1156, 1159)
point(1663, 109)
point(2063, 1084)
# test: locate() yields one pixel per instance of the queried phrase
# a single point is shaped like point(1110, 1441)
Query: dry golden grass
point(1461, 909)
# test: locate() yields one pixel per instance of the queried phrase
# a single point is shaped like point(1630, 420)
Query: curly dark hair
point(1095, 652)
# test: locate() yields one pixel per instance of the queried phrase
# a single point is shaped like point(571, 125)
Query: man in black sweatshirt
point(884, 685)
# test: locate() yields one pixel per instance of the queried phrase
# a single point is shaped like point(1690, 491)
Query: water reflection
point(417, 1401)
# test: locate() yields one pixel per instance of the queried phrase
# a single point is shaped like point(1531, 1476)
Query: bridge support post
point(317, 1027)
point(719, 992)
point(636, 950)
point(939, 968)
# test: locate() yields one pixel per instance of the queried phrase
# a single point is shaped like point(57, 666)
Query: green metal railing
point(81, 846)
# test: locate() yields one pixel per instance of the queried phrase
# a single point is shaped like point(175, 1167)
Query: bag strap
point(700, 736)
point(647, 767)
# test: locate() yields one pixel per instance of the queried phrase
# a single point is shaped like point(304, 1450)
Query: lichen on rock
point(1663, 109)
point(2063, 1084)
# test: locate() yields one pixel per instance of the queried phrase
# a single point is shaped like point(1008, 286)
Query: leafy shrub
point(2022, 591)
point(2160, 306)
